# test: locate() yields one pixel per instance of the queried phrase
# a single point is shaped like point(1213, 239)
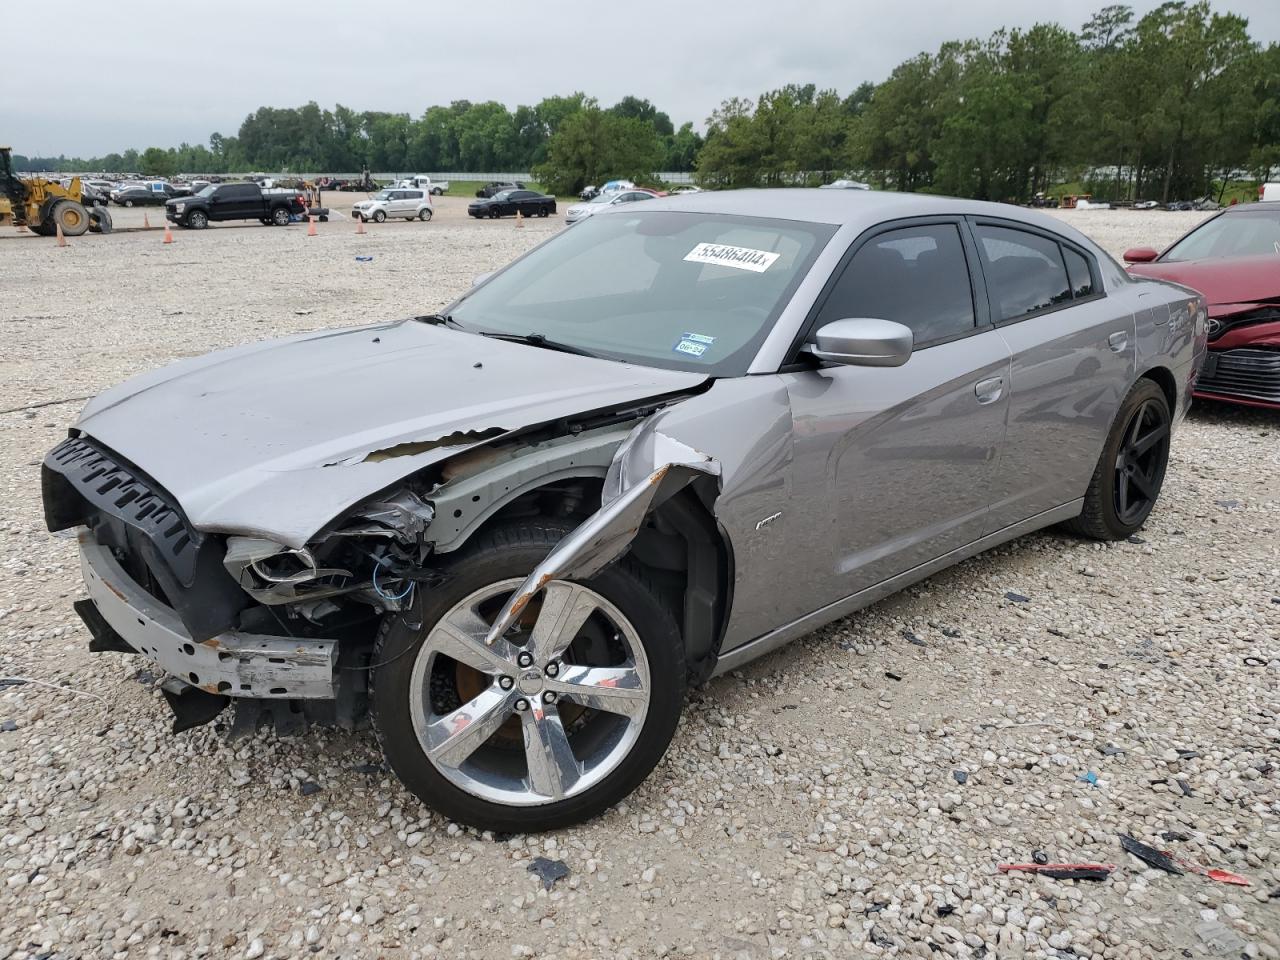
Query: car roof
point(858, 209)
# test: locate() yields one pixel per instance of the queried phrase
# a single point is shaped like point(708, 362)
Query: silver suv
point(411, 204)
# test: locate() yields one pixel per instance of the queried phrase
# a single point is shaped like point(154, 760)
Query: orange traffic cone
point(62, 241)
point(146, 221)
point(311, 227)
point(519, 219)
point(360, 226)
point(168, 234)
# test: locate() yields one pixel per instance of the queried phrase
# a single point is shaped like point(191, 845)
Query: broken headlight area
point(375, 556)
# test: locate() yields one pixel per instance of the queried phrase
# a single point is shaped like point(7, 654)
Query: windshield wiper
point(440, 320)
point(538, 340)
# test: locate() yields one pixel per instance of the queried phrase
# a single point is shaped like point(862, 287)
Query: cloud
point(158, 79)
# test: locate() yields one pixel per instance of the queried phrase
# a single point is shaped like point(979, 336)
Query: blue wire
point(377, 587)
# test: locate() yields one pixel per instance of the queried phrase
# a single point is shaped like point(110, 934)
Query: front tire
point(1130, 473)
point(71, 216)
point(552, 724)
point(197, 219)
point(379, 216)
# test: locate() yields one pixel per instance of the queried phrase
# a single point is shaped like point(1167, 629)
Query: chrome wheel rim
point(573, 686)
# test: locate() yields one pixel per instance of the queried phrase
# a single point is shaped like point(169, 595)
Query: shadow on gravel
point(1216, 412)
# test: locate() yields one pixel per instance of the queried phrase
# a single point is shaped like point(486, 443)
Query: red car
point(1234, 260)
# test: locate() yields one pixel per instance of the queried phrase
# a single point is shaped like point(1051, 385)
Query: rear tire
point(491, 783)
point(493, 213)
point(424, 214)
point(281, 216)
point(1130, 473)
point(544, 211)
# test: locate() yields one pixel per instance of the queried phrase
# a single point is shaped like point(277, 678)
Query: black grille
point(122, 491)
point(1252, 373)
point(1220, 325)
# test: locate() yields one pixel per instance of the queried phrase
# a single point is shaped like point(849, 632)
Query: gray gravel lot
point(850, 795)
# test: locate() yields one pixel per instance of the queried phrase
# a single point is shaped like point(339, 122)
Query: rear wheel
point(424, 214)
point(544, 210)
point(128, 203)
point(553, 723)
point(1130, 473)
point(493, 213)
point(280, 216)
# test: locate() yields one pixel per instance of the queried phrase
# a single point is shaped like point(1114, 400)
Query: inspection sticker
point(741, 258)
point(694, 344)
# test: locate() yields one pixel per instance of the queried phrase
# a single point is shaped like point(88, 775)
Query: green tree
point(157, 162)
point(594, 145)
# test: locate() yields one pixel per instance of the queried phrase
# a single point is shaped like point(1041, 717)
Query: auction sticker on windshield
point(694, 344)
point(741, 258)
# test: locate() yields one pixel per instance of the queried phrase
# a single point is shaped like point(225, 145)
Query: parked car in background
point(137, 195)
point(1233, 259)
point(495, 188)
point(401, 203)
point(589, 192)
point(90, 195)
point(530, 203)
point(421, 181)
point(845, 185)
point(603, 201)
point(652, 449)
point(687, 188)
point(236, 201)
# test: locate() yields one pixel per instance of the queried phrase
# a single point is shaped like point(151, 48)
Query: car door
point(900, 461)
point(1073, 356)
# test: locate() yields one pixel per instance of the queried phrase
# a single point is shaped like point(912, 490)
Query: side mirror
point(481, 278)
point(1140, 255)
point(863, 342)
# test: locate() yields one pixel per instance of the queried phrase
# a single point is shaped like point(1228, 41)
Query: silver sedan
point(654, 448)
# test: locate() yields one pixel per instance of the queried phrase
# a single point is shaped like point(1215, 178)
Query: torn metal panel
point(606, 534)
point(240, 438)
point(482, 482)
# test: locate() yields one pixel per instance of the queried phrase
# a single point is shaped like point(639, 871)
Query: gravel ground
point(850, 795)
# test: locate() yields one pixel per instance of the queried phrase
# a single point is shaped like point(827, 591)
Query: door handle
point(1117, 341)
point(989, 390)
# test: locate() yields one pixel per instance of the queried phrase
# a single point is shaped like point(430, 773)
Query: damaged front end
point(285, 631)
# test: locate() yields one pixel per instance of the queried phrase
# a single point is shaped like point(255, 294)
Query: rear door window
point(1078, 273)
point(1025, 272)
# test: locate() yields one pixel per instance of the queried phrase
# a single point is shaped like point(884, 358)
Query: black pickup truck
point(235, 201)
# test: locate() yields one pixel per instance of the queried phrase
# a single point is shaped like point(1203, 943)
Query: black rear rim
point(1141, 461)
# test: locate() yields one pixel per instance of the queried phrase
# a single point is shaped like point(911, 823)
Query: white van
point(1269, 191)
point(421, 181)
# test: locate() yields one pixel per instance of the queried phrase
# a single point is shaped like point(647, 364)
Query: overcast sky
point(141, 73)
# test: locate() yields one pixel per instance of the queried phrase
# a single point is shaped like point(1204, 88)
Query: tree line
point(1159, 107)
point(1162, 106)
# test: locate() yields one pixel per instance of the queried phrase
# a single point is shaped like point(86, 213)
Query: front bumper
point(1244, 375)
point(233, 663)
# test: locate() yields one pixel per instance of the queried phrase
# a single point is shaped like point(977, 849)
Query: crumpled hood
point(275, 439)
point(1222, 281)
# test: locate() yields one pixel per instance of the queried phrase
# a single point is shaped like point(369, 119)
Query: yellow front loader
point(39, 204)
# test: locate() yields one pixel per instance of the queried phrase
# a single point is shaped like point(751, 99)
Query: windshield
point(1245, 234)
point(206, 191)
point(382, 195)
point(505, 194)
point(683, 291)
point(603, 198)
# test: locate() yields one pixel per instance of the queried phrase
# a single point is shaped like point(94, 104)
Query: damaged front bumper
point(232, 663)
